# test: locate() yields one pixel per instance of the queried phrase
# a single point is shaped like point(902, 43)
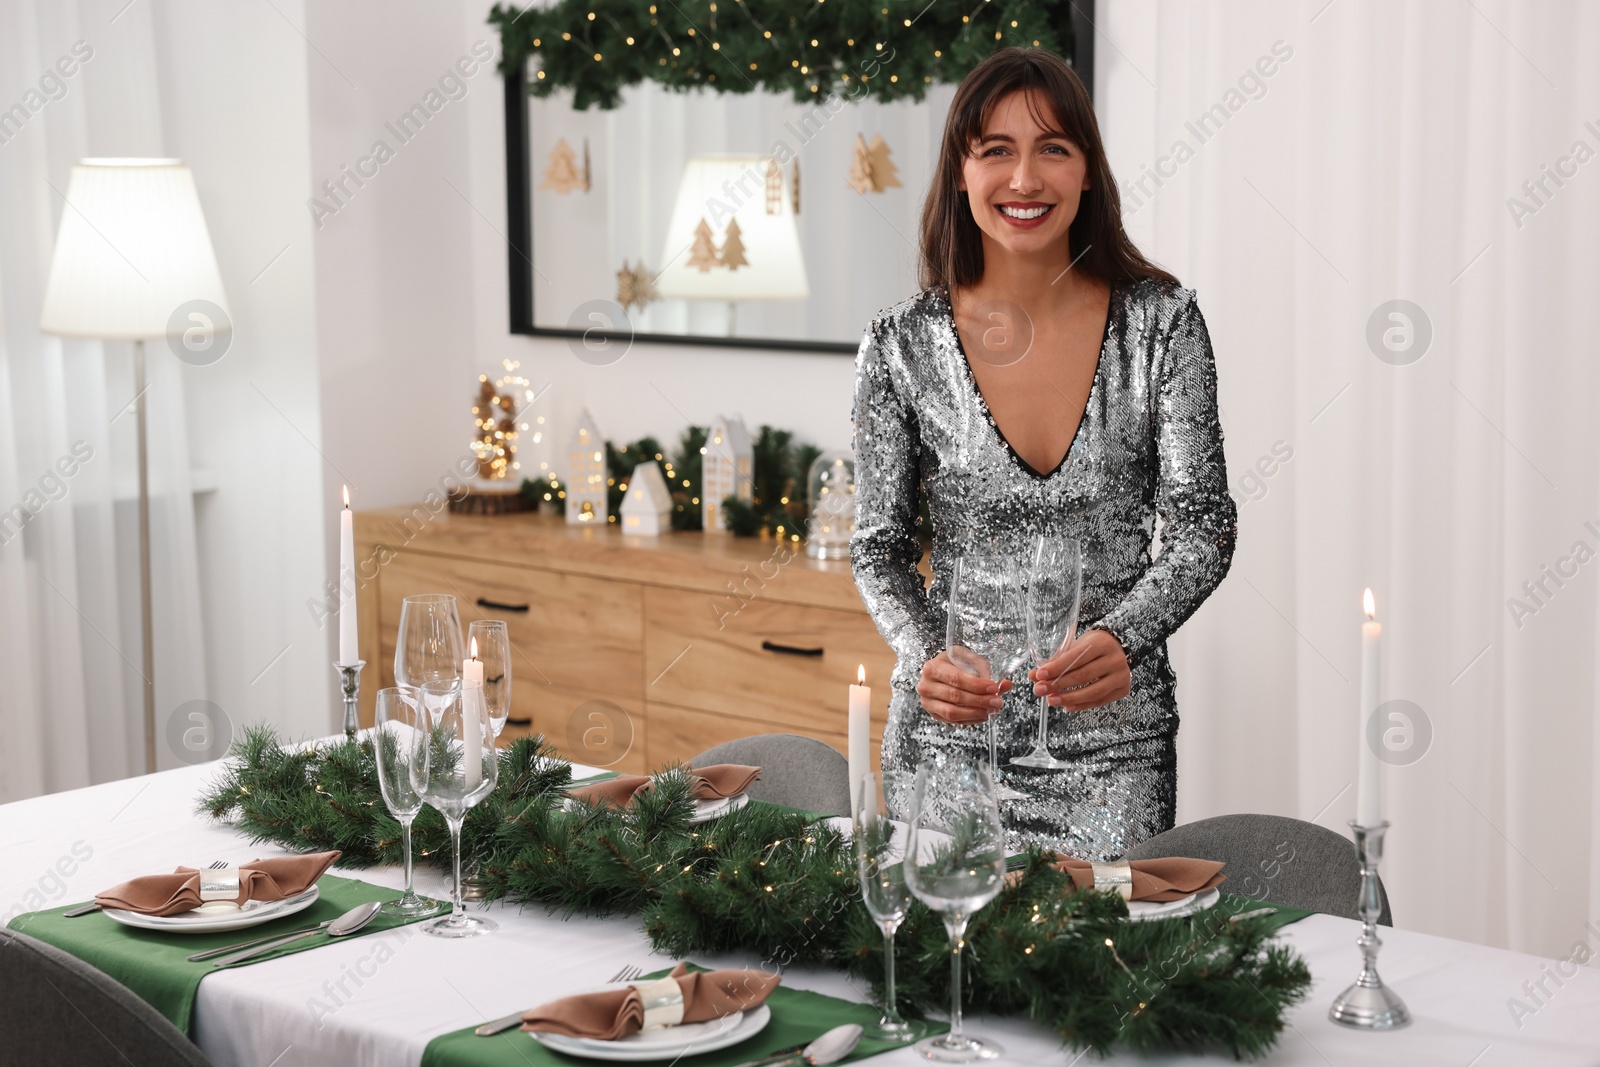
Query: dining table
point(381, 998)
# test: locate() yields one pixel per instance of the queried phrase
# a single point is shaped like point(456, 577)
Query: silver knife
point(225, 949)
point(93, 905)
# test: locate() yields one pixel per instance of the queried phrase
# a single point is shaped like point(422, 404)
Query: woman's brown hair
point(952, 243)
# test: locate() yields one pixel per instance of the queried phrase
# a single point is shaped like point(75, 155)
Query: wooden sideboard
point(632, 652)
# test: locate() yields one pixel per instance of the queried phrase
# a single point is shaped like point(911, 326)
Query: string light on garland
point(770, 45)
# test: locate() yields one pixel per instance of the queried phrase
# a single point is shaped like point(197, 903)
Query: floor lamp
point(133, 260)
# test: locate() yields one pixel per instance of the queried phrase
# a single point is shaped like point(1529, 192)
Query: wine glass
point(880, 862)
point(460, 769)
point(1055, 586)
point(985, 632)
point(399, 742)
point(494, 649)
point(428, 646)
point(955, 864)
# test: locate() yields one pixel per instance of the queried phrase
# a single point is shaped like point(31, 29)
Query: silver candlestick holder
point(1369, 1004)
point(350, 686)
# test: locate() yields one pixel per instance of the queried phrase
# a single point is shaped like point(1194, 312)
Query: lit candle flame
point(474, 648)
point(861, 674)
point(347, 496)
point(1368, 605)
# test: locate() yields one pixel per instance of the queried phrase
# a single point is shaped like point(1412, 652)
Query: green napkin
point(798, 1017)
point(152, 963)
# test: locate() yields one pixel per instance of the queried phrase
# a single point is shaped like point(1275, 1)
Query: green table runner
point(798, 1017)
point(152, 963)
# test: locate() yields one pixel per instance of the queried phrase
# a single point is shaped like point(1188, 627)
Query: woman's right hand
point(952, 695)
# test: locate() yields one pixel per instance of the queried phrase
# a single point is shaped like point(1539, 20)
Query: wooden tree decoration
point(635, 287)
point(794, 185)
point(495, 440)
point(774, 187)
point(562, 173)
point(885, 175)
point(861, 166)
point(733, 248)
point(702, 252)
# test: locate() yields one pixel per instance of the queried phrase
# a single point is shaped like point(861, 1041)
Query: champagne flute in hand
point(985, 632)
point(880, 863)
point(399, 742)
point(1055, 586)
point(955, 864)
point(460, 770)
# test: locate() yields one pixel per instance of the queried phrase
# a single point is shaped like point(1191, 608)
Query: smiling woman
point(1049, 380)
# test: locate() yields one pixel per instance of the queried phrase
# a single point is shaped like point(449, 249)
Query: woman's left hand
point(1091, 671)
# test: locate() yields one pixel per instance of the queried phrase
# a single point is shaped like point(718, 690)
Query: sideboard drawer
point(782, 665)
point(575, 636)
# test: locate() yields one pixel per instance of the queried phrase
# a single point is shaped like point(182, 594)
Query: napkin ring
point(1114, 877)
point(663, 1002)
point(219, 884)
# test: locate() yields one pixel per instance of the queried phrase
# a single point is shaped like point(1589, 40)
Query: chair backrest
point(1273, 859)
point(801, 772)
point(55, 1008)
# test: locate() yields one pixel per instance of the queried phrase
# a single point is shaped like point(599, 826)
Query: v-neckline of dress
point(977, 393)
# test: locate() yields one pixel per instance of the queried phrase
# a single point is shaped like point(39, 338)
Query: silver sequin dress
point(1149, 445)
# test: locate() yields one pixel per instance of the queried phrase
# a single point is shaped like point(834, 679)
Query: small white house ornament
point(586, 472)
point(726, 469)
point(647, 505)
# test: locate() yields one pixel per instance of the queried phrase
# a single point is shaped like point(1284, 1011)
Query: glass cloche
point(832, 494)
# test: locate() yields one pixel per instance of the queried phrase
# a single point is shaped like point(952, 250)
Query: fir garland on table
point(769, 881)
point(806, 48)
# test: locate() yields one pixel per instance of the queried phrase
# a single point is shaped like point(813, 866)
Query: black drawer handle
point(495, 605)
point(771, 646)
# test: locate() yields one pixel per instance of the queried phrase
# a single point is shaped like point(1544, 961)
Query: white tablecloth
point(379, 999)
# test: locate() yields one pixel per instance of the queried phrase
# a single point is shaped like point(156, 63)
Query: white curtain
point(1338, 156)
point(69, 580)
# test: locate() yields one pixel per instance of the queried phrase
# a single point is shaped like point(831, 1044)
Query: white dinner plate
point(1147, 910)
point(251, 913)
point(706, 810)
point(664, 1043)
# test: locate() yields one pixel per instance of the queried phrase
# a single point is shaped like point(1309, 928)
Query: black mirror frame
point(1080, 30)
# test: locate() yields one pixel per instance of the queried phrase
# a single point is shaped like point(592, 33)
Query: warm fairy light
point(861, 674)
point(346, 496)
point(1367, 605)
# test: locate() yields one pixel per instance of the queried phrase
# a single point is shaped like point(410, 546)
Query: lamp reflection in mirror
point(722, 198)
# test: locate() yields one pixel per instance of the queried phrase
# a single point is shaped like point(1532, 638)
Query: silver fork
point(506, 1022)
point(94, 905)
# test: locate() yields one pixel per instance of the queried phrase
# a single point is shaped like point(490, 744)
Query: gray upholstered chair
point(1274, 859)
point(801, 772)
point(49, 998)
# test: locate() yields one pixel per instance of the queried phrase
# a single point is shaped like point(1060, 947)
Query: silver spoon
point(831, 1047)
point(350, 922)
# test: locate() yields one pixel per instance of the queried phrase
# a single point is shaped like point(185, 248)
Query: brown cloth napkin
point(617, 1013)
point(710, 783)
point(170, 894)
point(1167, 878)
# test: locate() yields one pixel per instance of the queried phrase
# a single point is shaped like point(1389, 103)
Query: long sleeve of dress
point(884, 550)
point(1199, 518)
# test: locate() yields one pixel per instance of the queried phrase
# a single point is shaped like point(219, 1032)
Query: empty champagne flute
point(986, 633)
point(428, 646)
point(461, 768)
point(955, 864)
point(1055, 586)
point(880, 863)
point(494, 649)
point(400, 730)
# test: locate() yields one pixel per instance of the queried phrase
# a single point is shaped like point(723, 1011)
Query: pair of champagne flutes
point(435, 739)
point(951, 855)
point(1002, 612)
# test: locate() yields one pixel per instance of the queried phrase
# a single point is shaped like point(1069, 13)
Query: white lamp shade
point(132, 248)
point(717, 189)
